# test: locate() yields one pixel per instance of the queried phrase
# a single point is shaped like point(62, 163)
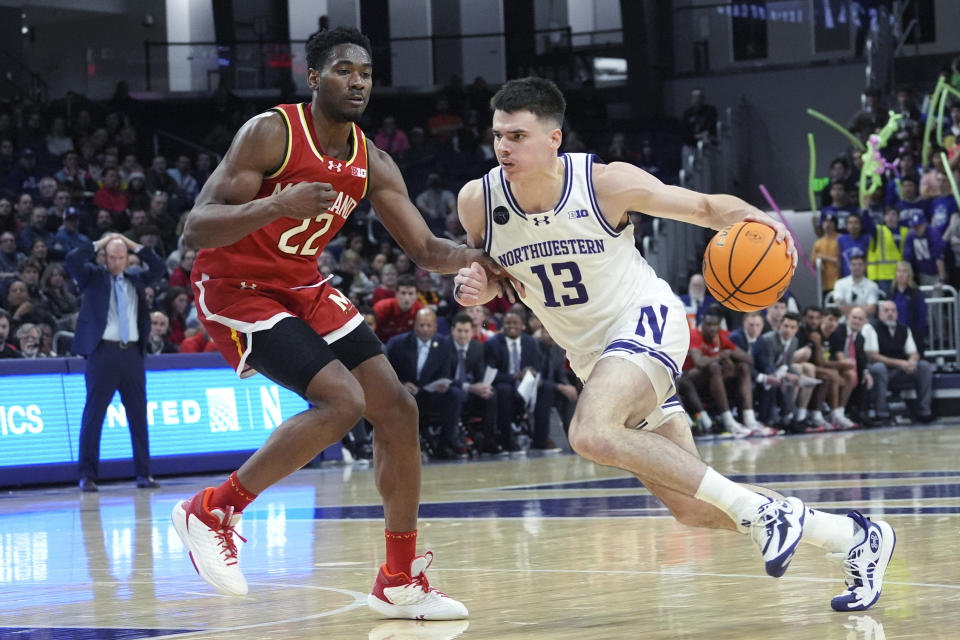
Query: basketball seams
point(722, 296)
point(773, 239)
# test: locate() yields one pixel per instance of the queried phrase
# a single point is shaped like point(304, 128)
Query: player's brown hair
point(537, 95)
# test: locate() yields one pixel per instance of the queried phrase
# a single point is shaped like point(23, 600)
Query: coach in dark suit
point(421, 357)
point(112, 331)
point(556, 385)
point(480, 400)
point(846, 343)
point(512, 353)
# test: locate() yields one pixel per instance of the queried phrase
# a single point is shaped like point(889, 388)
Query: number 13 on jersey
point(578, 293)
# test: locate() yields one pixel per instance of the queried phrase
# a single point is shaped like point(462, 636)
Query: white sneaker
point(402, 596)
point(865, 565)
point(209, 535)
point(738, 430)
point(819, 423)
point(777, 529)
point(419, 630)
point(762, 430)
point(844, 423)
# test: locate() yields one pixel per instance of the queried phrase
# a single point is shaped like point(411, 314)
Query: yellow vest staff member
point(886, 249)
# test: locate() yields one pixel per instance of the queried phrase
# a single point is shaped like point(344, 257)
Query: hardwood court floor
point(550, 547)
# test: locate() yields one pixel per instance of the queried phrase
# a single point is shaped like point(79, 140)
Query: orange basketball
point(744, 267)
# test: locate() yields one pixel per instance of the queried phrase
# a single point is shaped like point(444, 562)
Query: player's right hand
point(469, 284)
point(306, 199)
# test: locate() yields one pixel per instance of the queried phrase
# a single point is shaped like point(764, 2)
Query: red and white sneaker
point(209, 536)
point(400, 596)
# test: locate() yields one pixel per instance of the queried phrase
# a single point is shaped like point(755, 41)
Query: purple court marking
point(85, 633)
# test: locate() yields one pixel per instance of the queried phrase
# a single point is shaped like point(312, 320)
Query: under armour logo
point(244, 285)
point(334, 166)
point(538, 219)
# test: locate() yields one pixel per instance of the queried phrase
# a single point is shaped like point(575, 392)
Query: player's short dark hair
point(791, 315)
point(406, 280)
point(322, 43)
point(833, 311)
point(539, 96)
point(857, 256)
point(811, 307)
point(462, 317)
point(712, 312)
point(752, 314)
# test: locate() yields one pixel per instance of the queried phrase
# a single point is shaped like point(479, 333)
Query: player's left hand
point(780, 228)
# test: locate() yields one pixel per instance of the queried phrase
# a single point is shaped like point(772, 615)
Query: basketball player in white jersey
point(558, 226)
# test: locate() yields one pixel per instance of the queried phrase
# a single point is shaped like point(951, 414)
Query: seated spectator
point(10, 258)
point(846, 343)
point(39, 253)
point(895, 359)
point(910, 203)
point(203, 167)
point(110, 196)
point(30, 271)
point(924, 249)
point(907, 168)
point(480, 400)
point(557, 381)
point(397, 315)
point(355, 282)
point(159, 327)
point(856, 241)
point(443, 125)
point(425, 365)
point(175, 306)
point(36, 229)
point(68, 236)
point(23, 177)
point(886, 249)
point(838, 208)
point(74, 177)
point(8, 221)
point(61, 202)
point(197, 339)
point(778, 380)
point(59, 299)
point(827, 249)
point(28, 337)
point(482, 323)
point(712, 360)
point(911, 305)
point(871, 117)
point(58, 142)
point(46, 341)
point(838, 377)
point(943, 206)
point(696, 300)
point(181, 275)
point(856, 289)
point(514, 353)
point(774, 315)
point(137, 196)
point(157, 177)
point(388, 284)
point(436, 202)
point(403, 264)
point(183, 179)
point(391, 139)
point(7, 350)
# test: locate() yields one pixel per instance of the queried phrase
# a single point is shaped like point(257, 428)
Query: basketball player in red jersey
point(286, 186)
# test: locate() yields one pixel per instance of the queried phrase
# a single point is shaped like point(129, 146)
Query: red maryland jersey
point(284, 253)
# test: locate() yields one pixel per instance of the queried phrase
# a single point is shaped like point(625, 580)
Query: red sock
point(232, 494)
point(401, 550)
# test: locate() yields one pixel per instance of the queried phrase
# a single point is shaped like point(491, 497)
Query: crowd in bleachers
point(66, 179)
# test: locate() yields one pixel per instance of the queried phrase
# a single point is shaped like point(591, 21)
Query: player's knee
point(587, 440)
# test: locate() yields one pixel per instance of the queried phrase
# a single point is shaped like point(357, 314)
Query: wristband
point(456, 291)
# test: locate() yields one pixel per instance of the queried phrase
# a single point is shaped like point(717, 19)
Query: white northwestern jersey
point(581, 275)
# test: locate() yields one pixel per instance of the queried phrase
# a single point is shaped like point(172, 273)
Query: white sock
point(749, 417)
point(818, 416)
point(705, 419)
point(801, 415)
point(727, 418)
point(835, 534)
point(739, 503)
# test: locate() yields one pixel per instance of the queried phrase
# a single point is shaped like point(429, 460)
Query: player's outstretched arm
point(388, 195)
point(225, 210)
point(622, 187)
